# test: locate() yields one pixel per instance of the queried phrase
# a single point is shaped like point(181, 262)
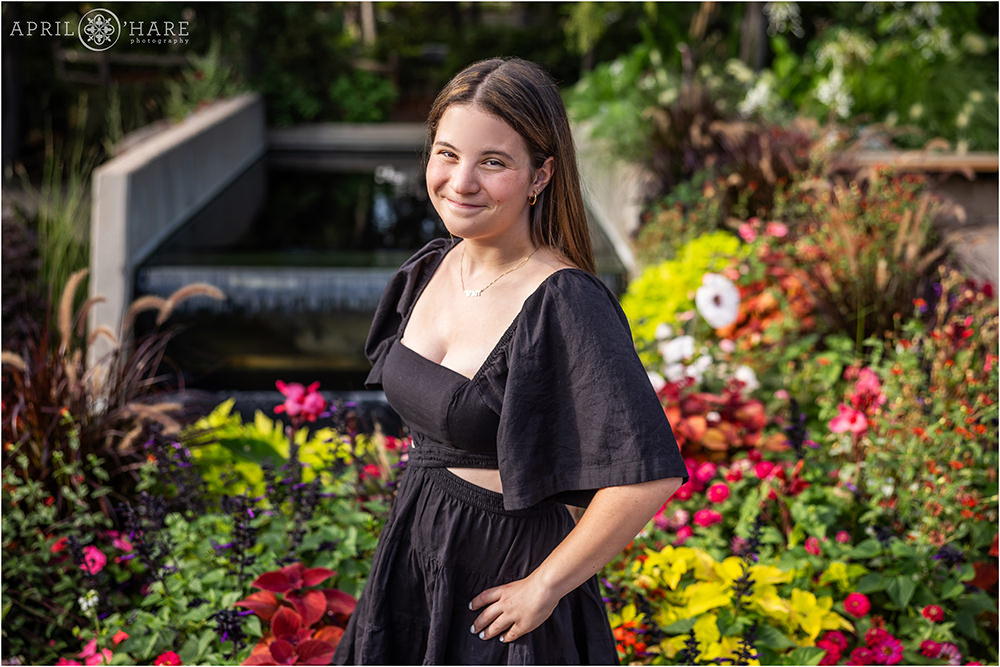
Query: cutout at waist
point(484, 478)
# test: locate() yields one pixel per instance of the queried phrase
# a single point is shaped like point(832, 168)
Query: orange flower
point(956, 465)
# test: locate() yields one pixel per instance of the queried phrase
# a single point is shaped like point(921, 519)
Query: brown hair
point(524, 96)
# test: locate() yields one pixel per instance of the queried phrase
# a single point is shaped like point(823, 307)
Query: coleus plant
point(306, 623)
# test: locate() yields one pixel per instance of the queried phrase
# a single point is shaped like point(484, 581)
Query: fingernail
point(470, 607)
point(482, 635)
point(472, 628)
point(502, 640)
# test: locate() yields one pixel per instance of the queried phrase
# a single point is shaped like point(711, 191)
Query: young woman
point(513, 367)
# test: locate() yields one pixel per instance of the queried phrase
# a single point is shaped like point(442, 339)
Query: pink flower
point(717, 493)
point(94, 560)
point(849, 419)
point(867, 391)
point(838, 639)
point(674, 521)
point(168, 658)
point(684, 533)
point(91, 656)
point(65, 661)
point(705, 472)
point(876, 635)
point(782, 395)
point(776, 229)
point(706, 517)
point(301, 403)
point(843, 537)
point(684, 493)
point(747, 232)
point(812, 546)
point(950, 652)
point(122, 544)
point(933, 613)
point(763, 469)
point(857, 604)
point(862, 656)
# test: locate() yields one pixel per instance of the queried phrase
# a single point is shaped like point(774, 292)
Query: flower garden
point(830, 373)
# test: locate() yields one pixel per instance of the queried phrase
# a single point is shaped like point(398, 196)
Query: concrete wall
point(146, 193)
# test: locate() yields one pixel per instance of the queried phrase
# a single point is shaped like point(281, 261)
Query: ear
point(544, 174)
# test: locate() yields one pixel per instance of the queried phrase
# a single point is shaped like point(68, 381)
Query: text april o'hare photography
point(514, 369)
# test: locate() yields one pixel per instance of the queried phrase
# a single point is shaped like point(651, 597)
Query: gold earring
point(532, 199)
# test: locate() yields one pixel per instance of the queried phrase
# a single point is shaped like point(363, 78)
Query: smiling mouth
point(462, 205)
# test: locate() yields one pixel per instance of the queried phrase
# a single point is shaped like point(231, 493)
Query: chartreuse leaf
point(900, 590)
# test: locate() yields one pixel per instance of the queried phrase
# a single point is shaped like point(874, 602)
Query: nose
point(464, 179)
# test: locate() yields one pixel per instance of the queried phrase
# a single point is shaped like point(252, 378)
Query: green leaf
point(867, 549)
point(870, 583)
point(806, 655)
point(771, 638)
point(680, 627)
point(900, 590)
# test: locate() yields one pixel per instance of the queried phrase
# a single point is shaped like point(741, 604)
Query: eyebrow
point(488, 151)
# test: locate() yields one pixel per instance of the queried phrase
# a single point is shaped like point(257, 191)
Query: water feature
point(303, 244)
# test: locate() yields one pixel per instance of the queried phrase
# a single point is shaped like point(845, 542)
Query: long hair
point(524, 96)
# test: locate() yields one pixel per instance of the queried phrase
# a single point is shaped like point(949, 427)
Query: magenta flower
point(832, 655)
point(718, 493)
point(862, 655)
point(301, 403)
point(950, 652)
point(849, 419)
point(889, 651)
point(706, 518)
point(94, 560)
point(843, 537)
point(838, 639)
point(764, 469)
point(929, 648)
point(857, 605)
point(705, 472)
point(812, 546)
point(91, 656)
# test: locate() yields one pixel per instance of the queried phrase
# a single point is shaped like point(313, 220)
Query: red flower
point(706, 517)
point(94, 560)
point(857, 605)
point(717, 493)
point(929, 648)
point(168, 658)
point(843, 537)
point(59, 545)
point(812, 546)
point(832, 655)
point(734, 474)
point(933, 613)
point(119, 637)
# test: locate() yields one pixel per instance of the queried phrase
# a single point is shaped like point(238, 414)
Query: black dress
point(562, 407)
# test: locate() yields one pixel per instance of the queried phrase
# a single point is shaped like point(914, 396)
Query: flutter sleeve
point(579, 413)
point(400, 293)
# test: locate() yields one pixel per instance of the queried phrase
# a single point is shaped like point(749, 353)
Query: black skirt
point(446, 541)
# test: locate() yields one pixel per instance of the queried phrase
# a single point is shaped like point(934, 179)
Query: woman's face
point(480, 176)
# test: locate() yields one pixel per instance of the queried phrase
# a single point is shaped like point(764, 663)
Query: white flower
point(663, 331)
point(833, 93)
point(746, 375)
point(757, 97)
point(718, 300)
point(698, 368)
point(88, 601)
point(656, 380)
point(678, 349)
point(673, 372)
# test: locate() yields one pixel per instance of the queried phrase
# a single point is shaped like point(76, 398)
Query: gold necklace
point(478, 292)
